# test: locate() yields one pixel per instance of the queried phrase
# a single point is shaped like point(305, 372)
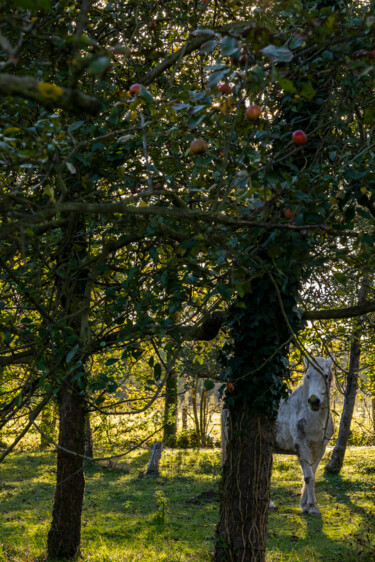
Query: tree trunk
point(337, 458)
point(73, 298)
point(202, 405)
point(194, 397)
point(153, 465)
point(184, 417)
point(3, 445)
point(65, 532)
point(242, 529)
point(373, 412)
point(255, 361)
point(47, 424)
point(170, 410)
point(89, 449)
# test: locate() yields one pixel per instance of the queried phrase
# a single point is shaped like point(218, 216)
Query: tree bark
point(47, 424)
point(337, 458)
point(255, 360)
point(153, 465)
point(194, 396)
point(241, 532)
point(184, 416)
point(89, 448)
point(65, 533)
point(170, 410)
point(73, 294)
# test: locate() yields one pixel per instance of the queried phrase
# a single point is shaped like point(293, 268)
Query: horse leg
point(308, 500)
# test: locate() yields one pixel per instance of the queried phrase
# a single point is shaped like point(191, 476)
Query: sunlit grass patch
point(346, 530)
point(128, 516)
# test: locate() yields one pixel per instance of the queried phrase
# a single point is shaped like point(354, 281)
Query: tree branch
point(48, 95)
point(339, 313)
point(192, 45)
point(120, 207)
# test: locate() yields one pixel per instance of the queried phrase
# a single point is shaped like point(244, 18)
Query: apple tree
point(161, 208)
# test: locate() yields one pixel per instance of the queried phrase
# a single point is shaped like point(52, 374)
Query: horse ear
point(305, 361)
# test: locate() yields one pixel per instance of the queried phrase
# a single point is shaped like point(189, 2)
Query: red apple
point(225, 89)
point(253, 112)
point(134, 89)
point(289, 214)
point(152, 24)
point(230, 387)
point(198, 146)
point(299, 137)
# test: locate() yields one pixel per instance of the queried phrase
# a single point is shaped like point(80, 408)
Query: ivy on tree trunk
point(255, 362)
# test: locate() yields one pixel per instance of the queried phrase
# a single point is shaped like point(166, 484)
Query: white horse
point(304, 426)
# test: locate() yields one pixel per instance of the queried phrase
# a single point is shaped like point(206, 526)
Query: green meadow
point(128, 516)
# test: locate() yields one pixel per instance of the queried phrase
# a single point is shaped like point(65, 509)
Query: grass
point(130, 517)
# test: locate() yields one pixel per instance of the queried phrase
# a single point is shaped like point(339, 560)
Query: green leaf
point(194, 121)
point(308, 91)
point(287, 85)
point(341, 277)
point(146, 95)
point(75, 125)
point(277, 54)
point(33, 5)
point(369, 115)
point(154, 253)
point(208, 384)
point(99, 65)
point(71, 168)
point(208, 46)
point(71, 353)
point(223, 291)
point(229, 47)
point(180, 106)
point(204, 32)
point(111, 361)
point(157, 371)
point(217, 77)
point(296, 42)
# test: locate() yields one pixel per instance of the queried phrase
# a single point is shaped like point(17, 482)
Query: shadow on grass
point(344, 532)
point(123, 511)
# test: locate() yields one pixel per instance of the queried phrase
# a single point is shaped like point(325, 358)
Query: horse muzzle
point(314, 402)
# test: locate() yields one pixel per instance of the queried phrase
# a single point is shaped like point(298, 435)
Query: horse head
point(317, 381)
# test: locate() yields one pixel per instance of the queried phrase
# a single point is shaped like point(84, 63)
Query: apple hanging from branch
point(225, 89)
point(253, 112)
point(299, 137)
point(135, 89)
point(198, 146)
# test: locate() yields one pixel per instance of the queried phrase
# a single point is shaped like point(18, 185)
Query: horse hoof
point(311, 511)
